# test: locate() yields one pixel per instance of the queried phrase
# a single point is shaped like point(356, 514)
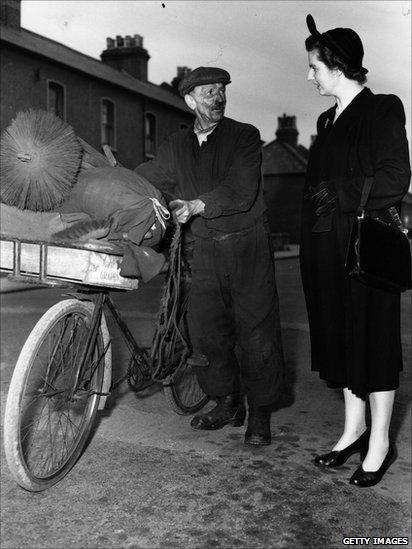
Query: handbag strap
point(367, 186)
point(365, 159)
point(363, 140)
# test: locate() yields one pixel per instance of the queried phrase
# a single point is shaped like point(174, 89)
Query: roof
point(279, 157)
point(40, 45)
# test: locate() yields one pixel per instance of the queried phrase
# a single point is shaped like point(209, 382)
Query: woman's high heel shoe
point(363, 479)
point(336, 458)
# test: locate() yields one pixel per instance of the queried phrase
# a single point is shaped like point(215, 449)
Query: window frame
point(64, 94)
point(150, 155)
point(113, 146)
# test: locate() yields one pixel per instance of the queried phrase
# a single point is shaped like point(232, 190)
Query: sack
point(378, 254)
point(124, 198)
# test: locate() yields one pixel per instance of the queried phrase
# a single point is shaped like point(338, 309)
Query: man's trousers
point(234, 316)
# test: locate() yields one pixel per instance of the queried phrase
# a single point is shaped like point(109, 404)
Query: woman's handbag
point(378, 254)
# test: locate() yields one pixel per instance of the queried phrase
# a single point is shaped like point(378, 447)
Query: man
point(214, 170)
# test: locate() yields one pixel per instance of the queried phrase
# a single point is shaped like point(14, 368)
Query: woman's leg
point(355, 423)
point(381, 404)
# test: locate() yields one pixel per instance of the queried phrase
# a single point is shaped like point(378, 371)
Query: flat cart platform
point(92, 264)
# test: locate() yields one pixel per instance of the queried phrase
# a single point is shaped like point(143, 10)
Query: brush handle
point(24, 157)
point(109, 155)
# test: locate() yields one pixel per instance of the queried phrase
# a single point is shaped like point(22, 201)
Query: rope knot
point(161, 211)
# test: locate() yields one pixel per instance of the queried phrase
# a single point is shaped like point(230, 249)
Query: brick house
point(284, 165)
point(106, 102)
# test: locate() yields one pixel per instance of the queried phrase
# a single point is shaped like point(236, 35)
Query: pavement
point(146, 480)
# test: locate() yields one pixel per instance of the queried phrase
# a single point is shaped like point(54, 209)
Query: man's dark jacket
point(224, 172)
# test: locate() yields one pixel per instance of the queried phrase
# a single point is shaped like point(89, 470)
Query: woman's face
point(325, 79)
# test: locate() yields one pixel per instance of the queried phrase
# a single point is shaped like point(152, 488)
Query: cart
point(63, 375)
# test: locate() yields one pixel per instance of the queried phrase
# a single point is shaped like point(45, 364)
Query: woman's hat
point(345, 43)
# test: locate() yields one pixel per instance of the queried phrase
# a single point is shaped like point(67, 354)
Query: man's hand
point(185, 209)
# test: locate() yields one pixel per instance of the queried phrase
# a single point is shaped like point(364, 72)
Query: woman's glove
point(323, 199)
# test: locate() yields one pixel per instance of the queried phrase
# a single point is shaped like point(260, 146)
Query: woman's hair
point(332, 61)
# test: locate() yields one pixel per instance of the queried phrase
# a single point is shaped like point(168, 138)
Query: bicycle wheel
point(48, 414)
point(183, 392)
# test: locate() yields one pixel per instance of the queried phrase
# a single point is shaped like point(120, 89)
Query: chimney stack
point(127, 54)
point(181, 73)
point(287, 131)
point(10, 13)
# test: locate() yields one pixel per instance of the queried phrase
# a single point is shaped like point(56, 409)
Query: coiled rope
point(171, 346)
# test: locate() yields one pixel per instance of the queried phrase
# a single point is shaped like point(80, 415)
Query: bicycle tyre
point(183, 392)
point(44, 379)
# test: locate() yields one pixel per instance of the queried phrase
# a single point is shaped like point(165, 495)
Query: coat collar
point(358, 103)
point(355, 109)
point(192, 138)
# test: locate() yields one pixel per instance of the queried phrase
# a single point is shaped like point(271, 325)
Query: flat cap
point(202, 76)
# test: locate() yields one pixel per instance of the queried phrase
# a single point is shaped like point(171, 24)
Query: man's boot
point(230, 409)
point(258, 426)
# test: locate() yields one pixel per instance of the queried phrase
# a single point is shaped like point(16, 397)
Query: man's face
point(209, 102)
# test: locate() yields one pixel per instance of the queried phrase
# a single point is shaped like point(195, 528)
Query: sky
point(260, 43)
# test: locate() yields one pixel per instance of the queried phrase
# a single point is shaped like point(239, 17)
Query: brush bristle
point(39, 161)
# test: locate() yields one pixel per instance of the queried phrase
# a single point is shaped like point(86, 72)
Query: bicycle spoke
point(35, 450)
point(66, 448)
point(50, 435)
point(56, 346)
point(34, 422)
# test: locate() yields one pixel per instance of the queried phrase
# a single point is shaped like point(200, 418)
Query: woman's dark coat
point(355, 330)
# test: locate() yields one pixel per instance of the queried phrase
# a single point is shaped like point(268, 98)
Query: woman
point(355, 329)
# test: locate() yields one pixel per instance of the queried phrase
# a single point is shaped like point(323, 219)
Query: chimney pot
point(138, 40)
point(182, 71)
point(286, 121)
point(287, 131)
point(124, 54)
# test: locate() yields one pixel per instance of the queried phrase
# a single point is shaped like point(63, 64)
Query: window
point(150, 135)
point(56, 99)
point(108, 123)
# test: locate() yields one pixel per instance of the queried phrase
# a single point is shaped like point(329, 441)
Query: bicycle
point(63, 375)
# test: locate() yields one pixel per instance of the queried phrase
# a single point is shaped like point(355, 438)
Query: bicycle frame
point(139, 358)
point(98, 294)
